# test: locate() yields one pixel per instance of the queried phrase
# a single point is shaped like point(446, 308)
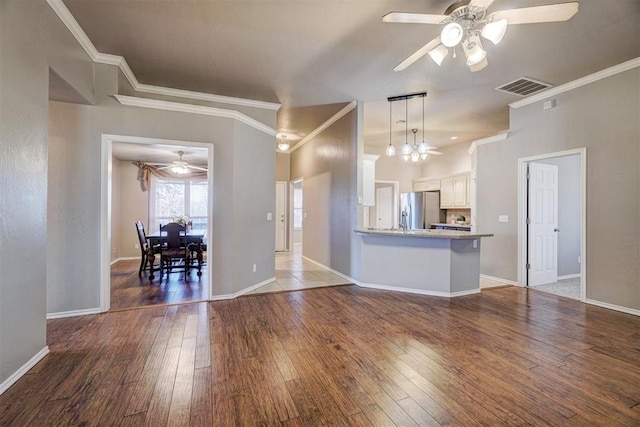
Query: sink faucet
point(403, 220)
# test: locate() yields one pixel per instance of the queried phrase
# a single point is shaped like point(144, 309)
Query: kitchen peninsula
point(430, 262)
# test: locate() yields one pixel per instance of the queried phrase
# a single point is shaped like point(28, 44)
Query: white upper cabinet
point(454, 192)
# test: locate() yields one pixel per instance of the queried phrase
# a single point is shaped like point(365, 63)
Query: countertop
point(431, 234)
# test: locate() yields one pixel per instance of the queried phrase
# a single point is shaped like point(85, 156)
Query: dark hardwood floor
point(342, 355)
point(128, 290)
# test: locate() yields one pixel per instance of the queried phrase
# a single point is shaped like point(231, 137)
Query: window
point(297, 205)
point(171, 198)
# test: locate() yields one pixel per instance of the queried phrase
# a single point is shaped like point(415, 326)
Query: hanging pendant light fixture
point(391, 150)
point(406, 148)
point(409, 152)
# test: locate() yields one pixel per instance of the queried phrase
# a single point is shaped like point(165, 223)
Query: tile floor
point(294, 273)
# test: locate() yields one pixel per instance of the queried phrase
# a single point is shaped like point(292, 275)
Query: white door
point(281, 209)
point(543, 224)
point(384, 207)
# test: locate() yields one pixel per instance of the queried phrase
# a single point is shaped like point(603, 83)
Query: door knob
point(556, 230)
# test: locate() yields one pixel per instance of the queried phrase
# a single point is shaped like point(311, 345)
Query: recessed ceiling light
point(454, 137)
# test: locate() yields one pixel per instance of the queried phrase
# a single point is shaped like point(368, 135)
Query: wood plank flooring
point(128, 290)
point(343, 356)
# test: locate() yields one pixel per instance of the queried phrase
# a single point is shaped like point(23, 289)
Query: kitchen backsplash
point(453, 214)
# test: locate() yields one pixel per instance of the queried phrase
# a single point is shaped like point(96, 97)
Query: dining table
point(192, 239)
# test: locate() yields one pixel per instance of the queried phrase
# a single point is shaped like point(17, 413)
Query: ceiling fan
point(180, 166)
point(466, 20)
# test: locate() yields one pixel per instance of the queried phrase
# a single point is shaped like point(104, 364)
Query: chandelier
point(409, 152)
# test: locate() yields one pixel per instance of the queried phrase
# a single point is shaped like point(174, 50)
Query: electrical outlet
point(503, 218)
point(475, 244)
point(269, 216)
point(579, 260)
point(254, 268)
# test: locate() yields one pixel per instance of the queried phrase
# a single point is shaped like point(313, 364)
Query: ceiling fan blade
point(418, 54)
point(482, 4)
point(413, 18)
point(435, 153)
point(531, 15)
point(198, 168)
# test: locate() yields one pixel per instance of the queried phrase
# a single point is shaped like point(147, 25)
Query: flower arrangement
point(182, 220)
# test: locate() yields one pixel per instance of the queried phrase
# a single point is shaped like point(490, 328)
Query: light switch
point(359, 200)
point(269, 216)
point(503, 218)
point(305, 215)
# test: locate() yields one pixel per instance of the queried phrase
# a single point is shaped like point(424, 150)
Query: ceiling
point(312, 56)
point(158, 153)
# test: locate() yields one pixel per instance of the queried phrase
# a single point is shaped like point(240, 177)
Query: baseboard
point(499, 279)
point(393, 288)
point(613, 307)
point(242, 292)
point(23, 370)
point(418, 291)
point(337, 273)
point(569, 276)
point(73, 313)
point(125, 258)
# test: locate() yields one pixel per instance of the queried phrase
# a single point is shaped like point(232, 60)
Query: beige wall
point(604, 117)
point(282, 167)
point(134, 206)
point(454, 159)
point(328, 165)
point(395, 169)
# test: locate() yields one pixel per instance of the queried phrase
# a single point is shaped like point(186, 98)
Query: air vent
point(523, 86)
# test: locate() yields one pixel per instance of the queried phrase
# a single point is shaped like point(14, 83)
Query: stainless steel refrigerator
point(420, 210)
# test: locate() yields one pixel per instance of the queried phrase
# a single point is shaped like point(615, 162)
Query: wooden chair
point(145, 247)
point(175, 248)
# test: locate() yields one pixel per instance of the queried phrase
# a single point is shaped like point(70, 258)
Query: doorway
point(297, 214)
point(107, 205)
point(552, 223)
point(281, 216)
point(386, 210)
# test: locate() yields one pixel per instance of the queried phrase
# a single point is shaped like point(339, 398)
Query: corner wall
point(604, 117)
point(328, 166)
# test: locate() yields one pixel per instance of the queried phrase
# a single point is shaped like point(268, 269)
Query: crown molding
point(194, 109)
point(488, 140)
point(607, 72)
point(350, 106)
point(104, 58)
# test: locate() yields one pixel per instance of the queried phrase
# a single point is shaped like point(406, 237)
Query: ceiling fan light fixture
point(474, 51)
point(452, 34)
point(180, 169)
point(415, 156)
point(494, 31)
point(406, 157)
point(424, 156)
point(438, 54)
point(283, 144)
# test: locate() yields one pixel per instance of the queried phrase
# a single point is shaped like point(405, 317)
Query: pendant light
point(283, 144)
point(391, 150)
point(406, 148)
point(423, 147)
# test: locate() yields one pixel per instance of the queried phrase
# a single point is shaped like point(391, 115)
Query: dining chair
point(174, 249)
point(145, 247)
